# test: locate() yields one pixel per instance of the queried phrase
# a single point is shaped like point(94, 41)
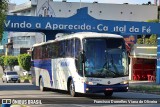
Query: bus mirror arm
point(83, 57)
point(128, 60)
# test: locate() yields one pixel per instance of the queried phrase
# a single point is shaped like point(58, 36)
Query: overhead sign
point(81, 22)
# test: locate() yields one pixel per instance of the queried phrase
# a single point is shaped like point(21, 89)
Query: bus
point(63, 64)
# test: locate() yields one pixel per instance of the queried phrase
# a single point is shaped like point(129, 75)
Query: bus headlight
point(124, 82)
point(87, 89)
point(89, 83)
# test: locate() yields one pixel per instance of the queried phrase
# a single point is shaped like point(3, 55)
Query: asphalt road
point(54, 98)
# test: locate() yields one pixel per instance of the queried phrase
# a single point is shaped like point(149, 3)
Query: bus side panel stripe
point(44, 64)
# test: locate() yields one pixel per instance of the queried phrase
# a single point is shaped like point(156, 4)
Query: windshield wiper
point(96, 74)
point(109, 73)
point(114, 66)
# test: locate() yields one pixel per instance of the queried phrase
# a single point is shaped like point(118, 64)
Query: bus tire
point(72, 89)
point(7, 81)
point(108, 93)
point(41, 86)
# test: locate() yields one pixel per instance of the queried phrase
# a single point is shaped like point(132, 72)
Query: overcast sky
point(100, 1)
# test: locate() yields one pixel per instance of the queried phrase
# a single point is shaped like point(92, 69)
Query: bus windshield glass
point(105, 57)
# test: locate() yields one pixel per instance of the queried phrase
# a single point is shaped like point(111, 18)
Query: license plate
point(109, 89)
point(14, 79)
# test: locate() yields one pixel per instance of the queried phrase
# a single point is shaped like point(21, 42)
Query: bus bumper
point(103, 88)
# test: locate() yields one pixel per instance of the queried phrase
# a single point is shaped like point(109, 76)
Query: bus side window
point(72, 48)
point(68, 48)
point(62, 49)
point(52, 47)
point(78, 60)
point(56, 50)
point(40, 53)
point(43, 51)
point(77, 47)
point(32, 54)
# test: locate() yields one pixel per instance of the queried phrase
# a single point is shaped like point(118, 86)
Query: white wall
point(125, 12)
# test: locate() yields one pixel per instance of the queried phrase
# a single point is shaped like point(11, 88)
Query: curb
point(157, 93)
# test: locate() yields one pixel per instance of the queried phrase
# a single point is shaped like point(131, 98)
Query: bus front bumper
point(103, 88)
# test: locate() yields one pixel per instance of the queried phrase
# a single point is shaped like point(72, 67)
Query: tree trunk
point(11, 68)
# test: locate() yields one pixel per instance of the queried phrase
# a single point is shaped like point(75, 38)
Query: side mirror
point(82, 57)
point(128, 60)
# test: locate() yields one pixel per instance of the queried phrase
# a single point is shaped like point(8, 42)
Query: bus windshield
point(105, 57)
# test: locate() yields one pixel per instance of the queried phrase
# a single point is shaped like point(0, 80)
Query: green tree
point(140, 41)
point(153, 39)
point(2, 62)
point(154, 21)
point(3, 13)
point(10, 61)
point(24, 61)
point(147, 41)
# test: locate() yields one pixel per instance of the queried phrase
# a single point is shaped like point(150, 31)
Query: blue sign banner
point(80, 22)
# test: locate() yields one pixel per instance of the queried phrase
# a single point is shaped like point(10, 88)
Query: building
point(143, 62)
point(5, 34)
point(23, 41)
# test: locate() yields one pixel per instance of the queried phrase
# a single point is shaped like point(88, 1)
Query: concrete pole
point(158, 61)
point(6, 52)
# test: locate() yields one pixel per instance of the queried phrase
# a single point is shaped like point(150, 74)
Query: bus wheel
point(41, 86)
point(108, 93)
point(72, 89)
point(6, 81)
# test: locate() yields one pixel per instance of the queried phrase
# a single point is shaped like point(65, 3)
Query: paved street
point(62, 99)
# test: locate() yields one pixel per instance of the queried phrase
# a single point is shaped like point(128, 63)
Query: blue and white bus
point(63, 64)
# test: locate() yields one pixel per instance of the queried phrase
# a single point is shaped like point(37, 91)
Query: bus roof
point(81, 35)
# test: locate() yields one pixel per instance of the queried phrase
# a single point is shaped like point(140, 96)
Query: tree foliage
point(140, 41)
point(154, 21)
point(152, 39)
point(2, 62)
point(10, 61)
point(24, 61)
point(3, 13)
